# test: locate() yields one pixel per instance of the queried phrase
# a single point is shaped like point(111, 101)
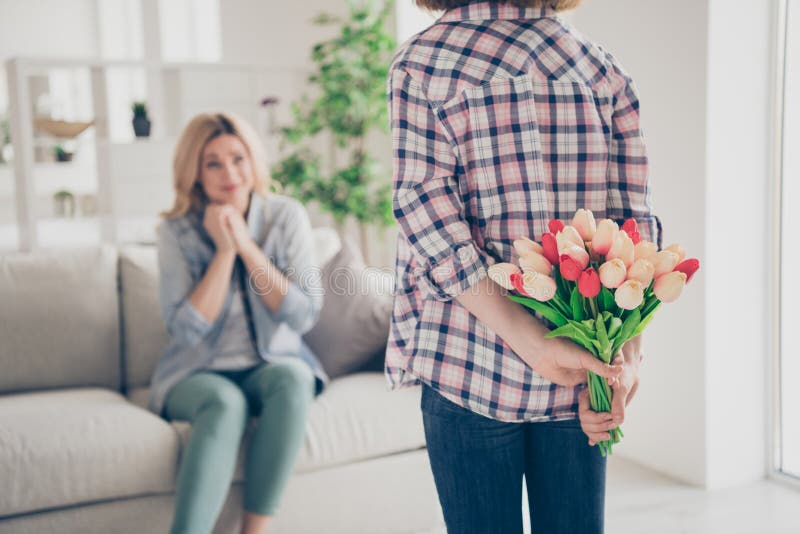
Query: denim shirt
point(281, 227)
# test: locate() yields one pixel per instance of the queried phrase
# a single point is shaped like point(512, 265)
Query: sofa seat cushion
point(354, 419)
point(75, 446)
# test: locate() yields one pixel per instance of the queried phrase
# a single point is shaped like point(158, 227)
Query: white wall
point(703, 70)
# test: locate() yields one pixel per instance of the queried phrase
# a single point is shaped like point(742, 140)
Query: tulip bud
point(630, 226)
point(535, 262)
point(604, 236)
point(501, 273)
point(569, 268)
point(584, 223)
point(689, 267)
point(613, 273)
point(568, 236)
point(629, 295)
point(677, 249)
point(555, 226)
point(539, 286)
point(669, 286)
point(578, 254)
point(622, 249)
point(550, 248)
point(643, 271)
point(589, 283)
point(524, 246)
point(645, 250)
point(635, 237)
point(664, 262)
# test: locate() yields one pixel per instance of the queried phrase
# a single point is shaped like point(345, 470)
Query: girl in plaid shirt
point(504, 117)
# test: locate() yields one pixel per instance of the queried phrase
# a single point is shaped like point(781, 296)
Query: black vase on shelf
point(141, 124)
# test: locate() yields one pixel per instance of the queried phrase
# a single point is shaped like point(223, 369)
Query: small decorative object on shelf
point(6, 152)
point(61, 154)
point(62, 129)
point(64, 203)
point(141, 123)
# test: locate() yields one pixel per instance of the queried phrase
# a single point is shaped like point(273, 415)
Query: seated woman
point(235, 322)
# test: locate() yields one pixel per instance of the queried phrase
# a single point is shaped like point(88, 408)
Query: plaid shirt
point(502, 118)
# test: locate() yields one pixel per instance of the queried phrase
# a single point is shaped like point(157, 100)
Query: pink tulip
point(669, 286)
point(569, 268)
point(589, 283)
point(578, 254)
point(535, 262)
point(664, 262)
point(643, 271)
point(584, 223)
point(604, 237)
point(550, 248)
point(516, 281)
point(539, 286)
point(501, 273)
point(555, 226)
point(622, 249)
point(689, 267)
point(613, 273)
point(524, 246)
point(645, 250)
point(629, 295)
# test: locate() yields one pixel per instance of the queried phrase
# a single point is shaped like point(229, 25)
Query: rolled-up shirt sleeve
point(629, 186)
point(184, 323)
point(301, 306)
point(425, 197)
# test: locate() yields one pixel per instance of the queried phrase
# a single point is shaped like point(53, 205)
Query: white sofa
point(79, 451)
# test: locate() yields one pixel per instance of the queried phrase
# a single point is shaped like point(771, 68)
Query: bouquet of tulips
point(599, 284)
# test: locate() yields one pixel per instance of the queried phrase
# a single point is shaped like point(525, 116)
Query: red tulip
point(555, 226)
point(516, 281)
point(570, 269)
point(550, 248)
point(688, 267)
point(635, 236)
point(630, 226)
point(589, 283)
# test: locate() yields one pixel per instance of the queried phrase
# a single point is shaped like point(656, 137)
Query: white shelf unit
point(132, 177)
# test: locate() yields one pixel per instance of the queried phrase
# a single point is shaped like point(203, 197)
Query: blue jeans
point(478, 465)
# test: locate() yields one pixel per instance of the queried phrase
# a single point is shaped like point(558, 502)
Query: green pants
point(219, 405)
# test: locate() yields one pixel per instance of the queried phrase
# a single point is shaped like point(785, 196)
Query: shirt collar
point(493, 11)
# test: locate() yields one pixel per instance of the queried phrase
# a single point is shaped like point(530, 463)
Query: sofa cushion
point(144, 333)
point(353, 326)
point(354, 419)
point(59, 319)
point(65, 447)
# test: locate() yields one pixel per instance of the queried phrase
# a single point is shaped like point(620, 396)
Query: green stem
point(593, 306)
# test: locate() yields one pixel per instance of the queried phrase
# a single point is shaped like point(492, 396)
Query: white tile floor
point(641, 501)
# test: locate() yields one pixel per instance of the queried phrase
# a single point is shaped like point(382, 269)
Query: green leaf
point(614, 327)
point(602, 335)
point(649, 317)
point(552, 315)
point(576, 302)
point(608, 299)
point(626, 332)
point(570, 331)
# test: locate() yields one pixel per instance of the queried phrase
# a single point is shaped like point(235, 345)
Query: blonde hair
point(188, 153)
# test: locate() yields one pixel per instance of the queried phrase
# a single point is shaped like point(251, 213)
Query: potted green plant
point(141, 122)
point(349, 81)
point(61, 154)
point(64, 203)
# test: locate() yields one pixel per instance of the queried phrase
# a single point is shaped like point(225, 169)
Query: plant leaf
point(549, 313)
point(576, 302)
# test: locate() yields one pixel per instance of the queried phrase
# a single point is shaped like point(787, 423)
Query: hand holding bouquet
point(600, 285)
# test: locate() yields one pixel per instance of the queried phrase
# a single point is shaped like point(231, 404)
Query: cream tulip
point(578, 254)
point(584, 223)
point(568, 236)
point(524, 245)
point(669, 286)
point(605, 236)
point(535, 262)
point(664, 262)
point(622, 249)
point(643, 271)
point(645, 250)
point(539, 286)
point(501, 273)
point(677, 249)
point(612, 273)
point(629, 295)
